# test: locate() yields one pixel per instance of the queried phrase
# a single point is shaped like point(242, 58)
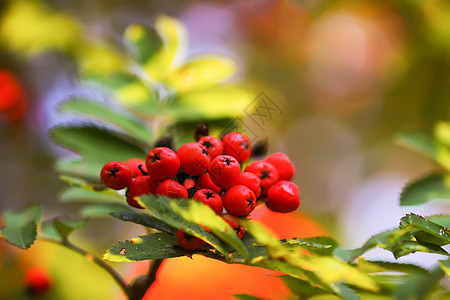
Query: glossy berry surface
point(204, 182)
point(213, 145)
point(162, 163)
point(133, 164)
point(283, 197)
point(266, 173)
point(237, 145)
point(37, 281)
point(239, 201)
point(234, 223)
point(284, 166)
point(116, 175)
point(189, 242)
point(211, 199)
point(172, 189)
point(141, 185)
point(224, 171)
point(251, 181)
point(194, 159)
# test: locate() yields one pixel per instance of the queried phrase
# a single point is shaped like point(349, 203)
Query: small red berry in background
point(237, 145)
point(141, 185)
point(116, 175)
point(194, 159)
point(234, 223)
point(251, 181)
point(224, 171)
point(189, 242)
point(37, 281)
point(266, 173)
point(284, 166)
point(133, 164)
point(211, 199)
point(162, 163)
point(189, 183)
point(172, 189)
point(239, 201)
point(213, 145)
point(205, 182)
point(283, 197)
point(13, 100)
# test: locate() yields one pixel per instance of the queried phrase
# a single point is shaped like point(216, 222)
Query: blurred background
point(344, 76)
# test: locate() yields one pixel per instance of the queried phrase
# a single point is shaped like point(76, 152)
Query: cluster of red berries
point(209, 171)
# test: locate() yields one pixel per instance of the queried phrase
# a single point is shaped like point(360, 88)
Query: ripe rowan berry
point(194, 159)
point(283, 197)
point(141, 185)
point(237, 145)
point(172, 189)
point(266, 172)
point(162, 163)
point(133, 164)
point(211, 199)
point(205, 182)
point(213, 145)
point(284, 166)
point(239, 200)
point(116, 175)
point(224, 171)
point(37, 281)
point(189, 242)
point(234, 223)
point(251, 181)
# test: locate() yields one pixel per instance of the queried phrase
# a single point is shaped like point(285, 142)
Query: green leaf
point(321, 245)
point(97, 145)
point(210, 104)
point(418, 286)
point(145, 220)
point(162, 208)
point(443, 220)
point(103, 210)
point(76, 194)
point(144, 42)
point(373, 266)
point(431, 187)
point(201, 214)
point(121, 120)
point(425, 144)
point(152, 246)
point(202, 72)
point(344, 292)
point(61, 228)
point(445, 266)
point(21, 226)
point(246, 297)
point(301, 288)
point(429, 232)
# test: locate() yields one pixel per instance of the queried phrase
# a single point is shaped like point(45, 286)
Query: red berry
point(194, 159)
point(283, 197)
point(237, 145)
point(189, 242)
point(285, 168)
point(172, 189)
point(142, 185)
point(266, 172)
point(251, 181)
point(116, 175)
point(234, 223)
point(37, 281)
point(224, 171)
point(205, 182)
point(213, 145)
point(189, 183)
point(162, 163)
point(211, 199)
point(133, 164)
point(239, 200)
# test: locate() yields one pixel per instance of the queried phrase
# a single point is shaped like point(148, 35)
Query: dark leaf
point(145, 220)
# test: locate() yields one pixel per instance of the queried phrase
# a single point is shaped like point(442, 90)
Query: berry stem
point(139, 290)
